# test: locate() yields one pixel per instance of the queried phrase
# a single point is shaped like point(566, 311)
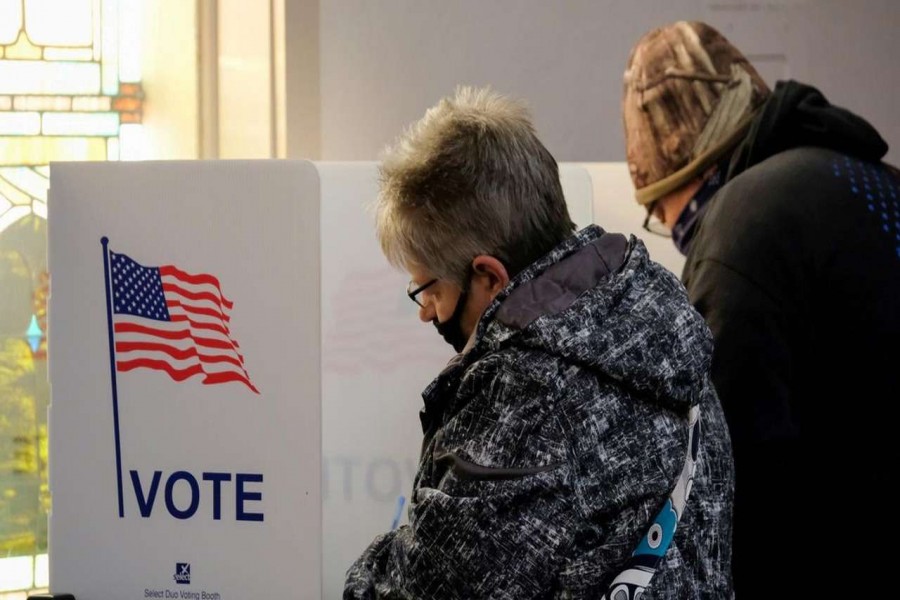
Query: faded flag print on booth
point(172, 321)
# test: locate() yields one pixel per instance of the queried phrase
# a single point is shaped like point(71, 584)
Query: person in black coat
point(790, 225)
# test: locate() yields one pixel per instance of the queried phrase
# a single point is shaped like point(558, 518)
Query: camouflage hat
point(689, 97)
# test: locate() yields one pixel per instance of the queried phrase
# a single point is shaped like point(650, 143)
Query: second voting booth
point(236, 375)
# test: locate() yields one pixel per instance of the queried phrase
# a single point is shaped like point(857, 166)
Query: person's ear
point(490, 273)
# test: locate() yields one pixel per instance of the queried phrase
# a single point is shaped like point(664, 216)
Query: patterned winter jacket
point(554, 441)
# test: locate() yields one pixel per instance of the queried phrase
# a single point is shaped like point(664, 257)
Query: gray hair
point(471, 177)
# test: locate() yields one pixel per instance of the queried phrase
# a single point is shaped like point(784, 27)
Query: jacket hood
point(598, 301)
point(799, 115)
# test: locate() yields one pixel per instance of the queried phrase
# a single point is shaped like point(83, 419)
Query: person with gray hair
point(574, 447)
point(790, 224)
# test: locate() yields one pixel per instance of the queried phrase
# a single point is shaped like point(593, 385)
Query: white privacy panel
point(185, 452)
point(615, 209)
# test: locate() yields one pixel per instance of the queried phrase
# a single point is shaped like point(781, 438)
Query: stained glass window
point(70, 89)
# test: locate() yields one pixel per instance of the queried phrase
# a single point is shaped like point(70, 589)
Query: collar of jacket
point(683, 232)
point(439, 390)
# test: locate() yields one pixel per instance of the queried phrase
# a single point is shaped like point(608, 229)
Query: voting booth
point(185, 413)
point(236, 375)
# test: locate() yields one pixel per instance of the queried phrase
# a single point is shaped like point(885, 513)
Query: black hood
point(799, 115)
point(598, 301)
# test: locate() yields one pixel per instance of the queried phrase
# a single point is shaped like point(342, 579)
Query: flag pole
point(112, 372)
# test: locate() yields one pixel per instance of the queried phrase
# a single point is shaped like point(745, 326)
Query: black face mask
point(451, 329)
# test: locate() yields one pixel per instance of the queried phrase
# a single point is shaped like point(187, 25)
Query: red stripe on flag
point(195, 280)
point(177, 289)
point(159, 365)
point(201, 325)
point(184, 334)
point(226, 376)
point(163, 333)
point(182, 374)
point(176, 353)
point(197, 310)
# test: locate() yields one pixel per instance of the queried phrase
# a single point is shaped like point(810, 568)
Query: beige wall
point(381, 63)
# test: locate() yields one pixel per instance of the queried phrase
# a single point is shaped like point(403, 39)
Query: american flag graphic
point(169, 320)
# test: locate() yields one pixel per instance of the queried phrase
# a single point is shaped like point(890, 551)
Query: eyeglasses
point(414, 293)
point(653, 224)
